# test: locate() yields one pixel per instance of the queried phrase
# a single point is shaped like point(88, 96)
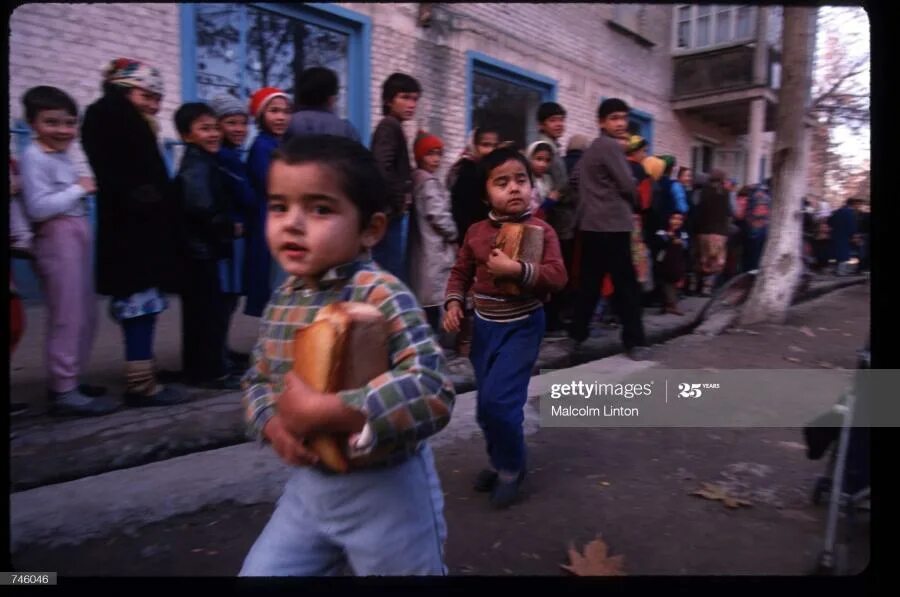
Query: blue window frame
point(239, 27)
point(505, 96)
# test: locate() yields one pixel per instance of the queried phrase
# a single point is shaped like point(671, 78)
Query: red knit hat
point(261, 98)
point(425, 142)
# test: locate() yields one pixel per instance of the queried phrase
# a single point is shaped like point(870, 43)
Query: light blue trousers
point(378, 522)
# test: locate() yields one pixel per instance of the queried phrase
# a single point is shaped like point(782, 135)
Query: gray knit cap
point(226, 105)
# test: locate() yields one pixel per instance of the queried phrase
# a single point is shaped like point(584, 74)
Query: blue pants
point(387, 521)
point(503, 355)
point(390, 253)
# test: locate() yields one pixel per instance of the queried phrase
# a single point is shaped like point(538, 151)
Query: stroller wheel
point(823, 486)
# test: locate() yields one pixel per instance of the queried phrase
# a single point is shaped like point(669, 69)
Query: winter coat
point(319, 121)
point(669, 259)
point(562, 216)
point(467, 196)
point(138, 236)
point(392, 157)
point(206, 205)
point(713, 211)
point(843, 226)
point(258, 261)
point(606, 189)
point(433, 239)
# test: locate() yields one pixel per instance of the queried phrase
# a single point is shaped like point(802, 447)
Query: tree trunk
point(781, 263)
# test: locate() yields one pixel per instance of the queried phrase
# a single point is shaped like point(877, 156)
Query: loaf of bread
point(519, 241)
point(344, 348)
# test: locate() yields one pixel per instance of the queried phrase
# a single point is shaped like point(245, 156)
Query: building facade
point(701, 80)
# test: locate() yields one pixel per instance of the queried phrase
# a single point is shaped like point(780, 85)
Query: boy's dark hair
point(394, 84)
point(548, 109)
point(353, 164)
point(484, 130)
point(188, 113)
point(495, 159)
point(610, 105)
point(315, 86)
point(44, 97)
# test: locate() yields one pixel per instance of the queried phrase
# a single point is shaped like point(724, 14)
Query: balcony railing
point(713, 72)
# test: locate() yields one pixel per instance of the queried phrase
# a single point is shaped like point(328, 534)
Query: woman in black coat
point(138, 236)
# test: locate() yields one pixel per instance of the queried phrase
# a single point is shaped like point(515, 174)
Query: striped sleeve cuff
point(455, 297)
point(529, 273)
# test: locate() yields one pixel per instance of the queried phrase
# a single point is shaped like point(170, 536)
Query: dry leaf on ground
point(808, 332)
point(714, 492)
point(595, 561)
point(793, 359)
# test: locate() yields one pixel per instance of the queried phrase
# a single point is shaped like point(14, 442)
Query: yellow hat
point(654, 166)
point(635, 142)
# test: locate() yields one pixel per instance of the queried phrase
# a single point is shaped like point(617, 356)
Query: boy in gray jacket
point(606, 203)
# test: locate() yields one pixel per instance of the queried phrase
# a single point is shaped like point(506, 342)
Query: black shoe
point(506, 493)
point(165, 397)
point(485, 480)
point(92, 391)
point(74, 403)
point(229, 381)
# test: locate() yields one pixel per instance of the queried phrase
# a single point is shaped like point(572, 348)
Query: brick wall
point(67, 46)
point(570, 43)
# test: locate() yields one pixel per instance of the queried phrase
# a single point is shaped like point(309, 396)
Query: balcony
point(718, 86)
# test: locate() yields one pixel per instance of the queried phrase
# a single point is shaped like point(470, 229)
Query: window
point(238, 48)
point(706, 26)
point(704, 20)
point(506, 97)
point(723, 24)
point(684, 27)
point(701, 158)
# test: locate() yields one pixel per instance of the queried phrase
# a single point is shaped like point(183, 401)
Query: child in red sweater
point(508, 328)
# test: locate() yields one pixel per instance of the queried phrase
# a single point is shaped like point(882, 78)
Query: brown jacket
point(606, 188)
point(392, 156)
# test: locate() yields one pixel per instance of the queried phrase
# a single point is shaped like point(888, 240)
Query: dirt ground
point(631, 486)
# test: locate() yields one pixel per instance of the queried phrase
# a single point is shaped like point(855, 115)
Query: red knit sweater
point(470, 272)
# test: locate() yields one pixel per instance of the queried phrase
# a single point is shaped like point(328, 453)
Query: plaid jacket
point(404, 405)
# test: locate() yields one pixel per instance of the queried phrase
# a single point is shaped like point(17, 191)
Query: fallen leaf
point(848, 334)
point(793, 359)
point(496, 545)
point(826, 365)
point(198, 550)
point(797, 349)
point(714, 492)
point(595, 561)
point(466, 569)
point(536, 556)
point(507, 570)
point(212, 552)
point(604, 483)
point(808, 332)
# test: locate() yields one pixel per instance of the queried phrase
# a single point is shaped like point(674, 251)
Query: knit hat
point(262, 97)
point(126, 72)
point(669, 161)
point(425, 142)
point(227, 105)
point(654, 166)
point(635, 142)
point(578, 142)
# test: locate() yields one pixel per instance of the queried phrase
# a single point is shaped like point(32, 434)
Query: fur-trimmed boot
point(142, 388)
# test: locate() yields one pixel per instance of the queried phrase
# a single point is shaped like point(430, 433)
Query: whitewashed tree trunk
point(781, 263)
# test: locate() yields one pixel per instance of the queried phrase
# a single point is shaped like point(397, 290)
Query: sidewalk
point(199, 514)
point(133, 437)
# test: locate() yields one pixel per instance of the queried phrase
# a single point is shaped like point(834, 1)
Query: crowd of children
point(311, 218)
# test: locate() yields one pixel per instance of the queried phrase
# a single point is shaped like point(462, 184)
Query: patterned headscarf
point(126, 72)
